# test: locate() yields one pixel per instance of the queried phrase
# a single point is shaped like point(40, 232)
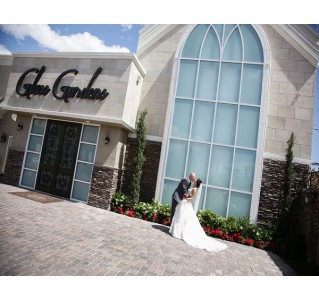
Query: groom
point(181, 189)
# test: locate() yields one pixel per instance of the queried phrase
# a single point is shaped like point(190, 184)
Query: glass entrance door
point(58, 158)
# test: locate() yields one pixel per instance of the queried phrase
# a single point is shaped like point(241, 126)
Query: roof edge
point(302, 38)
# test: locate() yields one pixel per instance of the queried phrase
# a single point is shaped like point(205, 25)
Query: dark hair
point(198, 182)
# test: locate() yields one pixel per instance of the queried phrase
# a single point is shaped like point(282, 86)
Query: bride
point(185, 224)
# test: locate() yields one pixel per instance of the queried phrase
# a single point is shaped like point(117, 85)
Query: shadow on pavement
point(284, 268)
point(162, 228)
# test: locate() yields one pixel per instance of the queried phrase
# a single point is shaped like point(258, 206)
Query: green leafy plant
point(232, 229)
point(139, 158)
point(286, 201)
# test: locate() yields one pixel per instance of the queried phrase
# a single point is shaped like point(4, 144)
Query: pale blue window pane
point(221, 166)
point(247, 131)
point(194, 42)
point(252, 46)
point(207, 80)
point(233, 49)
point(168, 190)
point(251, 85)
point(38, 126)
point(211, 46)
point(80, 191)
point(182, 118)
point(187, 78)
point(197, 160)
point(87, 152)
point(216, 201)
point(244, 168)
point(228, 30)
point(226, 117)
point(35, 143)
point(229, 82)
point(239, 205)
point(28, 178)
point(203, 121)
point(83, 172)
point(219, 29)
point(32, 161)
point(90, 134)
point(176, 159)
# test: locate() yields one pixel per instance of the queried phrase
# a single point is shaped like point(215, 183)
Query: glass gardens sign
point(65, 92)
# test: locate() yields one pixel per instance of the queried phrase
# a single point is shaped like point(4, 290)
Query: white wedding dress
point(185, 226)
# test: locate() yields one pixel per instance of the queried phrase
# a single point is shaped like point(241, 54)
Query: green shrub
point(233, 229)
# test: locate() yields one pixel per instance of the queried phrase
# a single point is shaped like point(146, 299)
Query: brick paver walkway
point(66, 238)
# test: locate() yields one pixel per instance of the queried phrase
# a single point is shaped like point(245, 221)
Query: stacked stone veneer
point(152, 154)
point(103, 186)
point(271, 187)
point(13, 167)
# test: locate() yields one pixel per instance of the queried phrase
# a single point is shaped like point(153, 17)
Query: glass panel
point(52, 146)
point(239, 205)
point(229, 82)
point(182, 118)
point(207, 80)
point(251, 85)
point(35, 143)
point(243, 172)
point(32, 161)
point(211, 46)
point(80, 191)
point(225, 127)
point(247, 131)
point(216, 201)
point(194, 42)
point(187, 78)
point(83, 172)
point(219, 30)
point(203, 121)
point(63, 182)
point(233, 49)
point(197, 160)
point(220, 167)
point(176, 159)
point(87, 152)
point(252, 46)
point(168, 190)
point(28, 178)
point(46, 178)
point(90, 134)
point(69, 147)
point(38, 126)
point(228, 29)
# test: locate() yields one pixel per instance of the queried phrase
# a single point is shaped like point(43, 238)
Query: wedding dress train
point(185, 226)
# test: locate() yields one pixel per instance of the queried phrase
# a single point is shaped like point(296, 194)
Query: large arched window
point(216, 117)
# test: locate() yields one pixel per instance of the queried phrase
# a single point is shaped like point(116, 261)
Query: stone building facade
point(279, 69)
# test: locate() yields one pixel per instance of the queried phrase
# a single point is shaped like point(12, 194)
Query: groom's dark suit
point(181, 189)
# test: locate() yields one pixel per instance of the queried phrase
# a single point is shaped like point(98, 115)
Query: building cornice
point(149, 34)
point(302, 38)
point(80, 117)
point(80, 55)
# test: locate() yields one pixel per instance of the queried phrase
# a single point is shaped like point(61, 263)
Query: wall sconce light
point(107, 138)
point(3, 137)
point(20, 126)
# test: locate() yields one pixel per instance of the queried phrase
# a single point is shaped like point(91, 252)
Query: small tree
point(139, 158)
point(287, 198)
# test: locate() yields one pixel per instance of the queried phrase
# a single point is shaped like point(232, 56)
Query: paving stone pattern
point(67, 238)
